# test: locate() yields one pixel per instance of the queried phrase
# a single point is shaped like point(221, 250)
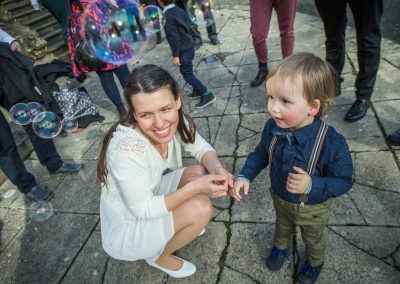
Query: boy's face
point(287, 104)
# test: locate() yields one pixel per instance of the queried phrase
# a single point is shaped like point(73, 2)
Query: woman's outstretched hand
point(211, 185)
point(229, 177)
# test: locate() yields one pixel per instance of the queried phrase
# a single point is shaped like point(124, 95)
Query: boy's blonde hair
point(317, 75)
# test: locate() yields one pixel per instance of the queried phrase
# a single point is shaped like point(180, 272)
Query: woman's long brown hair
point(145, 79)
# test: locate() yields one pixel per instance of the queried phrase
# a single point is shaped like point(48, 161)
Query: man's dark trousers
point(367, 16)
point(11, 163)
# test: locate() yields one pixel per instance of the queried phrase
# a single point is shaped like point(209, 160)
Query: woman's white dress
point(135, 223)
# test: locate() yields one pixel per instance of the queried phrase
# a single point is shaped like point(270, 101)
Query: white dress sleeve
point(198, 148)
point(129, 168)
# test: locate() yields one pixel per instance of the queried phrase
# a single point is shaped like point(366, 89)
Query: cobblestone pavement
point(363, 234)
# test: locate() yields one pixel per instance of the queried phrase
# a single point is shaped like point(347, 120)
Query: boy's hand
point(176, 61)
point(239, 185)
point(297, 182)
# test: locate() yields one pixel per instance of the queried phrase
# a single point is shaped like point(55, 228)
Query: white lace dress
point(135, 223)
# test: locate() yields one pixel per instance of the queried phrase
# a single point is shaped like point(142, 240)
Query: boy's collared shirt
point(177, 30)
point(334, 171)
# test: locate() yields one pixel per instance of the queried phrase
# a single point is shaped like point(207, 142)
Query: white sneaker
point(186, 270)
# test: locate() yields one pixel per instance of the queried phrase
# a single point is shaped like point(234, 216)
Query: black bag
point(85, 55)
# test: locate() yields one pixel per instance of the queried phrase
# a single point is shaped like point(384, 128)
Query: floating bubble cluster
point(40, 211)
point(114, 30)
point(45, 124)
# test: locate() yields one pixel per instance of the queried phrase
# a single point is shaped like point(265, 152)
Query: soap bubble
point(153, 20)
point(114, 32)
point(196, 14)
point(46, 125)
point(70, 124)
point(40, 211)
point(20, 114)
point(34, 109)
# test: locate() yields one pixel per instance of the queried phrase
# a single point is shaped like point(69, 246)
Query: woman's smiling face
point(157, 114)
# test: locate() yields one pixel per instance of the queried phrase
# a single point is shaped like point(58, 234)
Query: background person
point(367, 17)
point(11, 163)
point(260, 18)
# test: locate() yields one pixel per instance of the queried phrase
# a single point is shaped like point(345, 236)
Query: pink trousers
point(260, 18)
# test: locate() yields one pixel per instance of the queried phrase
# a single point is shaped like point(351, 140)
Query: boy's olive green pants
point(311, 219)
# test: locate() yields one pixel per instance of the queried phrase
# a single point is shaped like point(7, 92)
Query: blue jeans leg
point(123, 75)
point(110, 87)
point(186, 69)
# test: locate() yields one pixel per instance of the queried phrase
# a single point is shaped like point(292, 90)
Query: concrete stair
point(41, 21)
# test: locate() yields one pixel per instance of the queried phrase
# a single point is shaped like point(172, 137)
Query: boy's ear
point(314, 107)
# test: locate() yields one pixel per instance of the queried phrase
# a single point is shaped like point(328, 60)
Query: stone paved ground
point(363, 233)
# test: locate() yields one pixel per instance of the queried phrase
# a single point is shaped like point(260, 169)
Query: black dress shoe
point(394, 138)
point(261, 75)
point(358, 110)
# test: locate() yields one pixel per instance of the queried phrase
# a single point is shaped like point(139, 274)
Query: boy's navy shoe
point(205, 100)
point(194, 95)
point(394, 138)
point(308, 274)
point(39, 192)
point(68, 168)
point(276, 258)
point(214, 40)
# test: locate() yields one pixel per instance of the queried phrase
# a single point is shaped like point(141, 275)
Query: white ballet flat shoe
point(202, 232)
point(186, 270)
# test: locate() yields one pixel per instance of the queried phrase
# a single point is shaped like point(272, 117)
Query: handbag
point(83, 53)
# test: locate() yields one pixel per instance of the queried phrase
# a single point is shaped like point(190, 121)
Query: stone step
point(52, 34)
point(41, 18)
point(50, 24)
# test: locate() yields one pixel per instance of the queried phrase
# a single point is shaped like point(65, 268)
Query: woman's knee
point(192, 173)
point(203, 206)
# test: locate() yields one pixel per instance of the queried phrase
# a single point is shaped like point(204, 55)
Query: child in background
point(180, 40)
point(306, 171)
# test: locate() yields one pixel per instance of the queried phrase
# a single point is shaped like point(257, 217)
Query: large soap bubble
point(114, 31)
point(35, 109)
point(20, 114)
point(153, 20)
point(196, 14)
point(46, 125)
point(40, 211)
point(70, 124)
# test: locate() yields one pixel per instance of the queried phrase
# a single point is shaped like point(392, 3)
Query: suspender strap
point(271, 152)
point(316, 151)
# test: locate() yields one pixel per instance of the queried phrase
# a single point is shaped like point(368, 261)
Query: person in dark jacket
point(11, 163)
point(182, 46)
